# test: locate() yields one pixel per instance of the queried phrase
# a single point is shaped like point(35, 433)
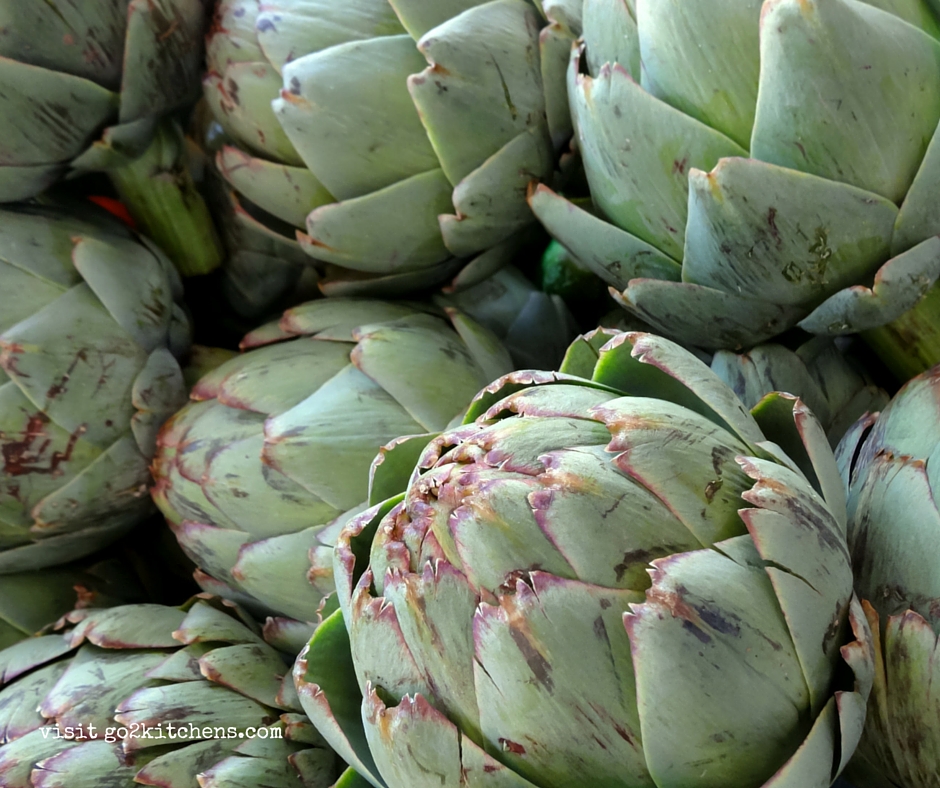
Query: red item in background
point(115, 207)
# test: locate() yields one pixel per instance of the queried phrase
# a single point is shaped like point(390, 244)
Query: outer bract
point(88, 333)
point(891, 466)
point(756, 165)
point(29, 601)
point(400, 136)
point(257, 474)
point(152, 695)
point(613, 580)
point(83, 83)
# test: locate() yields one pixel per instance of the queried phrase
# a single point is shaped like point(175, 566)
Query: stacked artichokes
point(494, 559)
point(89, 331)
point(758, 165)
point(401, 136)
point(616, 579)
point(257, 474)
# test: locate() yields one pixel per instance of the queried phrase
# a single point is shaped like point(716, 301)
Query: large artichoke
point(609, 580)
point(401, 136)
point(757, 165)
point(255, 473)
point(139, 674)
point(892, 469)
point(88, 332)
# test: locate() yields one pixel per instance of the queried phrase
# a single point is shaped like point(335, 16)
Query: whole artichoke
point(758, 165)
point(260, 470)
point(890, 464)
point(401, 136)
point(616, 579)
point(125, 696)
point(88, 332)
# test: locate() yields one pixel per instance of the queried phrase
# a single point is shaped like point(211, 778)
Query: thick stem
point(911, 344)
point(161, 196)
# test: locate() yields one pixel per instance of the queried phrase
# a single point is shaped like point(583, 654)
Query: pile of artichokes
point(470, 393)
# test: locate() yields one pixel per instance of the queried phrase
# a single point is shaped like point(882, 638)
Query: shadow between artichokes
point(890, 465)
point(758, 165)
point(612, 575)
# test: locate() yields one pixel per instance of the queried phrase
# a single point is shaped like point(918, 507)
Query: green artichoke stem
point(911, 344)
point(163, 200)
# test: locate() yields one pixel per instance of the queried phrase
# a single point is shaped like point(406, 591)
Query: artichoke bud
point(89, 330)
point(615, 577)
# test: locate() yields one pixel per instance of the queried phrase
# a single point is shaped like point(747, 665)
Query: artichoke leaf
point(483, 87)
point(162, 57)
point(703, 58)
point(613, 254)
point(284, 191)
point(637, 153)
point(393, 230)
point(899, 284)
point(240, 98)
point(878, 77)
point(356, 128)
point(794, 238)
point(704, 317)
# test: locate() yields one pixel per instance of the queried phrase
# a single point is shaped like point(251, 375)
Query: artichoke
point(836, 390)
point(260, 470)
point(613, 576)
point(399, 136)
point(890, 466)
point(84, 85)
point(117, 697)
point(88, 333)
point(755, 166)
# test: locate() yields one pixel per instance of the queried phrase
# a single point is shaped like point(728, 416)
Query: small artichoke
point(891, 468)
point(89, 328)
point(124, 696)
point(609, 576)
point(257, 473)
point(757, 165)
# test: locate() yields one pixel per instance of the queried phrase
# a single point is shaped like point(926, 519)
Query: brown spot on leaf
point(511, 746)
point(28, 454)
